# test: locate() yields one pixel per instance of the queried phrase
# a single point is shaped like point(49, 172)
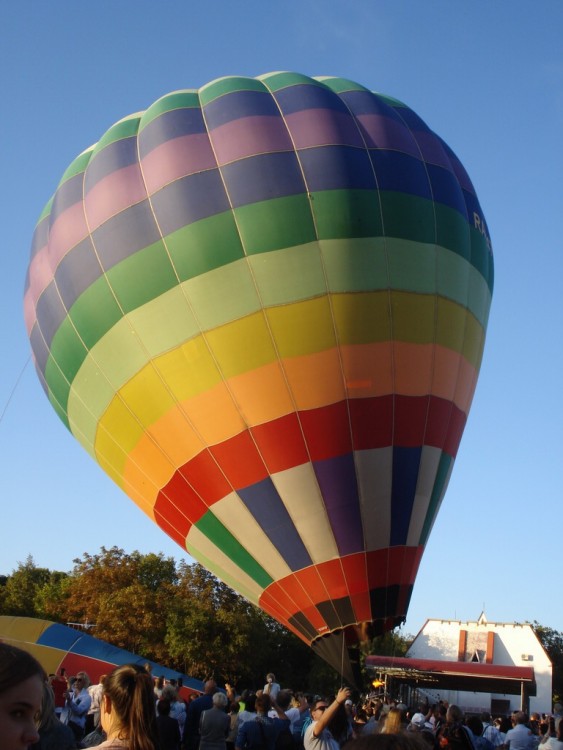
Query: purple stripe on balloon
point(337, 482)
point(321, 127)
point(249, 136)
point(383, 132)
point(459, 169)
point(432, 150)
point(114, 193)
point(177, 158)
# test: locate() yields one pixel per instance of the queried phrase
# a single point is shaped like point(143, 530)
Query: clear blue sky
point(488, 77)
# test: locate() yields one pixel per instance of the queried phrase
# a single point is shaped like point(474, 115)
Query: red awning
point(456, 675)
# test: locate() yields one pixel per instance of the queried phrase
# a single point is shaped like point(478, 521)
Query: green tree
point(552, 641)
point(22, 589)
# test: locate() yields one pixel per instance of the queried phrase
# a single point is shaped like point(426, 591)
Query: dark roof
point(456, 675)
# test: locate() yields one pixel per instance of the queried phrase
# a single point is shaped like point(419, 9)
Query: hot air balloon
point(261, 307)
point(55, 646)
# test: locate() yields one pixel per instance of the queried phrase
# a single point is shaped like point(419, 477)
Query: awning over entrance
point(456, 675)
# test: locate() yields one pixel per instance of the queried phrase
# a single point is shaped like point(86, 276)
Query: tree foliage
point(175, 614)
point(552, 641)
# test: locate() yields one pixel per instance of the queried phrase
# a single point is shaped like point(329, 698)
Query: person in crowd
point(53, 735)
point(177, 705)
point(234, 708)
point(453, 734)
point(214, 725)
point(59, 684)
point(318, 735)
point(93, 715)
point(557, 713)
point(490, 731)
point(475, 726)
point(261, 733)
point(195, 709)
point(21, 693)
point(520, 737)
point(249, 711)
point(284, 701)
point(168, 729)
point(298, 727)
point(78, 702)
point(271, 687)
point(158, 687)
point(127, 710)
point(554, 737)
point(394, 722)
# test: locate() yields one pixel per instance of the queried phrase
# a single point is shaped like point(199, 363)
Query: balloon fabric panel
point(261, 307)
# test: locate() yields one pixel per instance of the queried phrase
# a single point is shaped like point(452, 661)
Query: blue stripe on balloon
point(337, 168)
point(67, 195)
point(238, 104)
point(189, 199)
point(367, 103)
point(264, 503)
point(263, 177)
point(169, 125)
point(306, 96)
point(406, 463)
point(339, 488)
point(400, 172)
point(115, 156)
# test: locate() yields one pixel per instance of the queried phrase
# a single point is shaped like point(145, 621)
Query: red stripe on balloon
point(281, 443)
point(352, 577)
point(321, 434)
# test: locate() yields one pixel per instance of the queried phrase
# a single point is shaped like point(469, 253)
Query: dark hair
point(163, 707)
point(263, 703)
point(17, 665)
point(130, 690)
point(475, 724)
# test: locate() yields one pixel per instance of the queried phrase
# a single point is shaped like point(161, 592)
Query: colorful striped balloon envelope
point(261, 307)
point(57, 646)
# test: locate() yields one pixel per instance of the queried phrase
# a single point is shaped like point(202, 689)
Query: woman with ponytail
point(127, 709)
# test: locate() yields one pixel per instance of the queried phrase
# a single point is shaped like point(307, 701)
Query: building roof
point(456, 675)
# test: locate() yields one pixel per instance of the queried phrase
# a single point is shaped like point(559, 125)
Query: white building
point(492, 643)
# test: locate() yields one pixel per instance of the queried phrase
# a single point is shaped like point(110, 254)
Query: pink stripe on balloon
point(177, 158)
point(113, 194)
point(250, 136)
point(383, 132)
point(68, 229)
point(318, 127)
point(40, 276)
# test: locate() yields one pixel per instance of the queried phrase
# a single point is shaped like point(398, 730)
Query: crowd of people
point(132, 710)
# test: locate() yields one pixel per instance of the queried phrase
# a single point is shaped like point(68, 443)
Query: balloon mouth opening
point(341, 648)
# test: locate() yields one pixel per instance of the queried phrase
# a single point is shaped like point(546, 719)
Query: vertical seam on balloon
point(99, 425)
point(391, 348)
point(282, 368)
point(266, 322)
point(396, 109)
point(178, 405)
point(435, 295)
point(329, 299)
